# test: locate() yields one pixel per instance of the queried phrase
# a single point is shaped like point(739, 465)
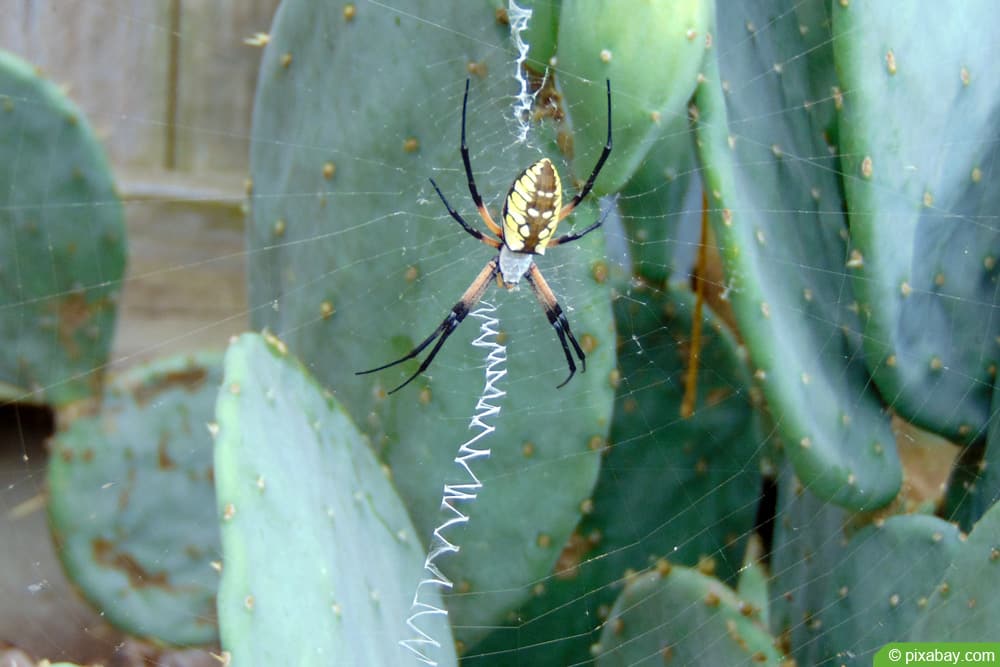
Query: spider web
point(46, 617)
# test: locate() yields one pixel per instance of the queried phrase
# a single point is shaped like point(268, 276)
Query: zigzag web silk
point(486, 407)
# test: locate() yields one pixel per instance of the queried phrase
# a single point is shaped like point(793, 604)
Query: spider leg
point(569, 238)
point(476, 199)
point(475, 233)
point(589, 185)
point(458, 313)
point(557, 319)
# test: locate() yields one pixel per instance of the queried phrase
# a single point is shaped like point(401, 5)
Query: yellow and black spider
point(532, 210)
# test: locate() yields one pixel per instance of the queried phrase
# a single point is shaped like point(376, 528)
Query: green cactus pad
point(683, 488)
point(131, 501)
point(677, 615)
point(842, 596)
point(653, 202)
point(964, 605)
point(921, 188)
point(320, 562)
point(777, 214)
point(651, 52)
point(354, 260)
point(62, 244)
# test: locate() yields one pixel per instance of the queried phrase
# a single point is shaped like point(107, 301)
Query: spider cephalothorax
point(531, 212)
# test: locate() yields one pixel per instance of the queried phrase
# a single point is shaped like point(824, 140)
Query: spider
point(532, 210)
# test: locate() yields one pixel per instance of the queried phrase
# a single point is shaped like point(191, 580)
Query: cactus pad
point(964, 605)
point(777, 214)
point(920, 189)
point(668, 486)
point(354, 259)
point(62, 244)
point(652, 53)
point(677, 615)
point(319, 559)
point(131, 501)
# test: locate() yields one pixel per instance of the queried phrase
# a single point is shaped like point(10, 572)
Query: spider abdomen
point(531, 209)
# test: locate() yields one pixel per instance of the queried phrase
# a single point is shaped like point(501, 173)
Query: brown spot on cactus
point(574, 553)
point(706, 565)
point(712, 599)
point(107, 554)
point(329, 169)
point(605, 56)
point(411, 273)
point(905, 289)
point(477, 69)
point(248, 602)
point(977, 174)
point(190, 379)
point(228, 512)
point(286, 60)
point(326, 310)
point(965, 76)
point(350, 11)
point(588, 343)
point(411, 145)
point(544, 540)
point(279, 227)
point(928, 199)
point(528, 449)
point(425, 396)
point(599, 271)
point(163, 460)
point(936, 364)
point(615, 378)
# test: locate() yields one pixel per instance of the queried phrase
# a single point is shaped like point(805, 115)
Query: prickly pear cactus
point(842, 592)
point(919, 187)
point(964, 605)
point(668, 486)
point(652, 53)
point(777, 214)
point(654, 201)
point(131, 501)
point(62, 244)
point(677, 615)
point(354, 259)
point(320, 561)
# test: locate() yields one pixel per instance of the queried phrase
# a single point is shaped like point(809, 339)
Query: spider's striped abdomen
point(531, 210)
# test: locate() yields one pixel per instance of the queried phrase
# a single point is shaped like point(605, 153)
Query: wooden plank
point(112, 56)
point(217, 78)
point(185, 286)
